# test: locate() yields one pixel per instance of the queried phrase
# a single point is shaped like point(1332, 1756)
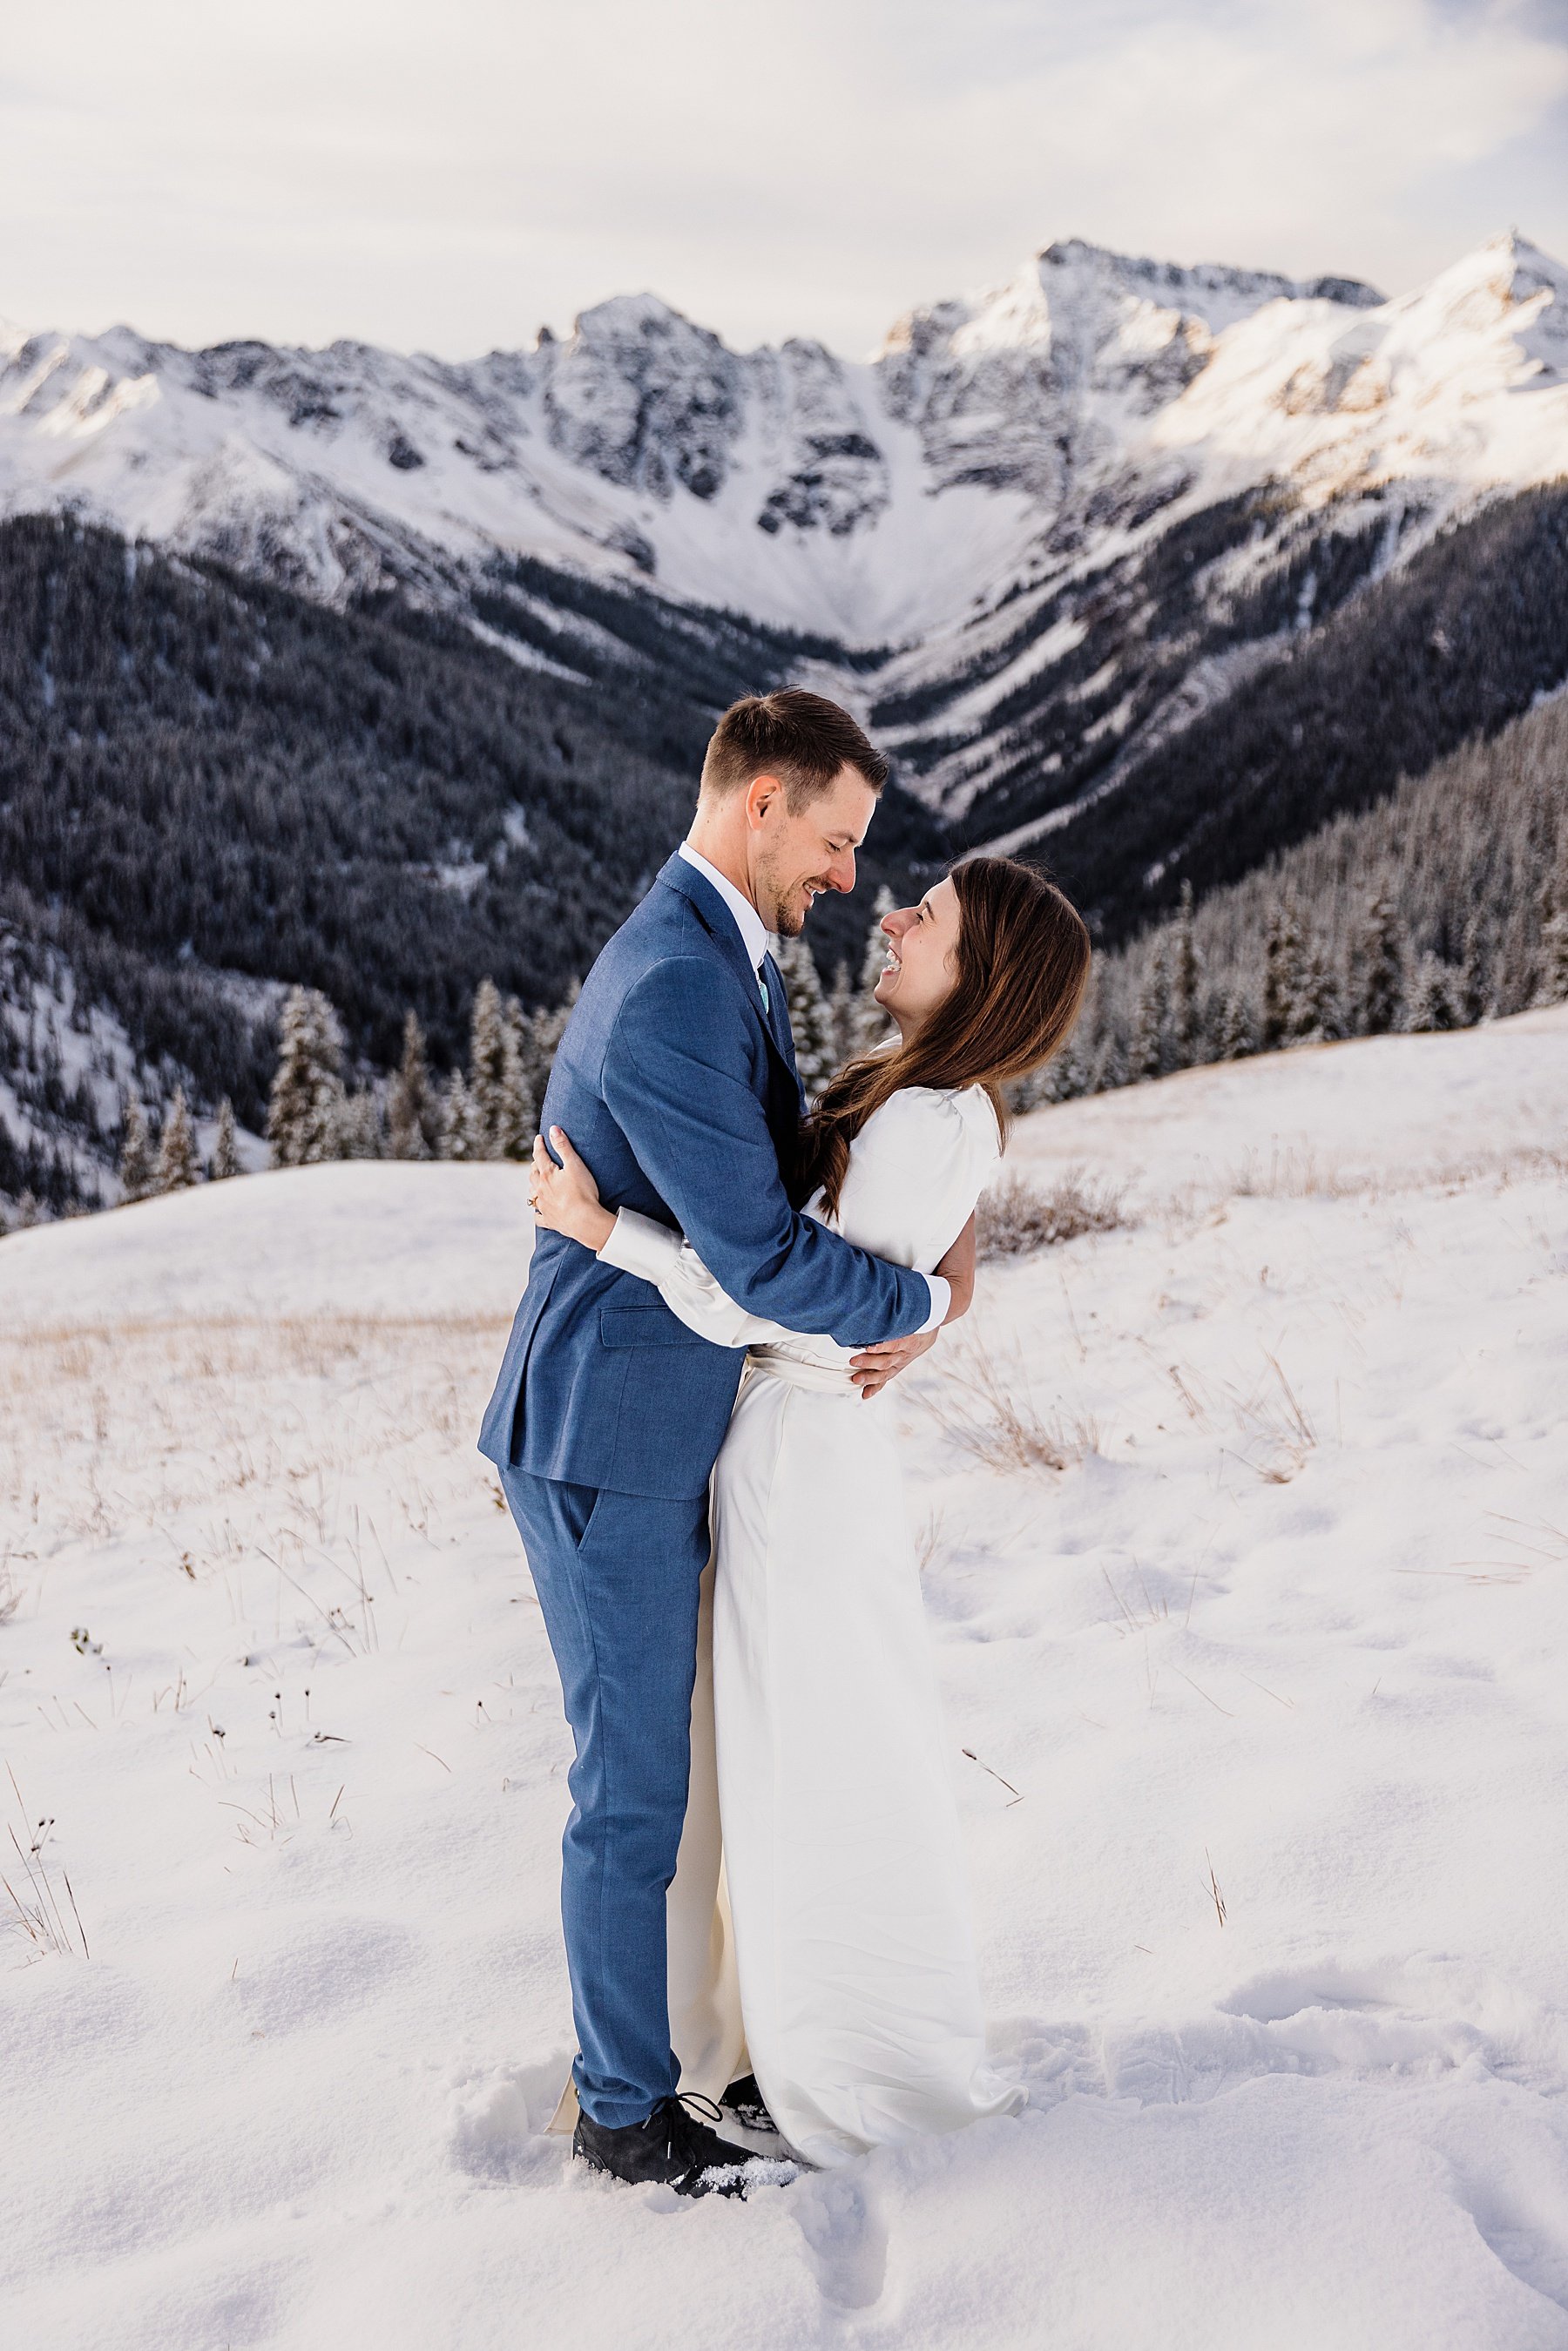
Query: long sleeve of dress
point(916, 1170)
point(652, 1252)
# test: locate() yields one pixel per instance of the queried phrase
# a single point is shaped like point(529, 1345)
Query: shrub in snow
point(1015, 1217)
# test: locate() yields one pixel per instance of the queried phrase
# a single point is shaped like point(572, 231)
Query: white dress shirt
point(754, 939)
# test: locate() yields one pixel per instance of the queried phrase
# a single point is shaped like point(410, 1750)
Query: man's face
point(794, 858)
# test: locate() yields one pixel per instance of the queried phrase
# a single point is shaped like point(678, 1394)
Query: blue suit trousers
point(617, 1578)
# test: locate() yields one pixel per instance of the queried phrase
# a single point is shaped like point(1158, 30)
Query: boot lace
point(680, 2116)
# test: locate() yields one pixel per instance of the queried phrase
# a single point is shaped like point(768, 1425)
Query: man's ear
point(762, 793)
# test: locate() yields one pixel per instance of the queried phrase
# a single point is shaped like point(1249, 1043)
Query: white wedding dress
point(820, 1915)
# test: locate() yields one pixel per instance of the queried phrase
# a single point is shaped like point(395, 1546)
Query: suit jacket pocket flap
point(644, 1326)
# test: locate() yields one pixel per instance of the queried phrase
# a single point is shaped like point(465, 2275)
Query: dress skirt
point(832, 1945)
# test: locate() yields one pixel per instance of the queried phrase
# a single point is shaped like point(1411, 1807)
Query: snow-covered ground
point(1257, 1712)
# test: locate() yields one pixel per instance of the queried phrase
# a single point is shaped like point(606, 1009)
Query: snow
point(1288, 1629)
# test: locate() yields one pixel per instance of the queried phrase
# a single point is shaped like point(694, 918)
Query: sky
point(450, 177)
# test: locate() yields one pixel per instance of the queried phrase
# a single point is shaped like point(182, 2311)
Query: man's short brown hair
point(802, 738)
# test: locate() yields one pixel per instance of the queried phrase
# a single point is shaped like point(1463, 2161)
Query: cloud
point(448, 177)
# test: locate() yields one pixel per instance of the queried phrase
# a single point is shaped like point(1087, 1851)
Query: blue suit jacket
point(681, 1096)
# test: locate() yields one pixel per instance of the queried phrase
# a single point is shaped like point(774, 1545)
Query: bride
point(818, 1926)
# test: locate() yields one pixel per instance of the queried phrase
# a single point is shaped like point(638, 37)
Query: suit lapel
point(787, 1101)
point(779, 1010)
point(720, 924)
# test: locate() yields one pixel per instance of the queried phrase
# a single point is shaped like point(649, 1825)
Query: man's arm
point(872, 1369)
point(676, 1079)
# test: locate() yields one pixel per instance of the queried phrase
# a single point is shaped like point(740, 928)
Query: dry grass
point(989, 1410)
point(1017, 1218)
point(1278, 1432)
point(48, 1923)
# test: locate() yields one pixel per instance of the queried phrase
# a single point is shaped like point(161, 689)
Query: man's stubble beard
point(781, 918)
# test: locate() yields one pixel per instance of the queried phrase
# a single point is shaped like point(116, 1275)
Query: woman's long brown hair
point(1022, 963)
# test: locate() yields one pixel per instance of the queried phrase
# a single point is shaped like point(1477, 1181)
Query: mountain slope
point(399, 670)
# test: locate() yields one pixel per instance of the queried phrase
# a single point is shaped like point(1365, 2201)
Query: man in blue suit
point(676, 1082)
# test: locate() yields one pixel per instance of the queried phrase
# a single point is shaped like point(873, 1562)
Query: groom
point(675, 1079)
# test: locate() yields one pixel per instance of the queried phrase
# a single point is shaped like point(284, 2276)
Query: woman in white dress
point(820, 1917)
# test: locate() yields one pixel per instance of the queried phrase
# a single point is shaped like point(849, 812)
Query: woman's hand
point(565, 1199)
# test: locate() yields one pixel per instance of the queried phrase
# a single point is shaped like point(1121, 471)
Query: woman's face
point(922, 957)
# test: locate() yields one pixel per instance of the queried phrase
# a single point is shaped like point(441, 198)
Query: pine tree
point(304, 1111)
point(1110, 1064)
point(1551, 983)
point(841, 1013)
point(1383, 960)
point(487, 1072)
point(136, 1175)
point(1433, 995)
point(226, 1147)
point(178, 1166)
point(1233, 1031)
point(412, 1123)
point(869, 1026)
point(1318, 1014)
point(1185, 967)
point(541, 1040)
point(1473, 989)
point(816, 1054)
point(1150, 1015)
point(1284, 976)
point(513, 1133)
point(460, 1137)
point(359, 1126)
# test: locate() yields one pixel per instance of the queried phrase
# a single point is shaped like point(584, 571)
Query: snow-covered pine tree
point(359, 1126)
point(542, 1035)
point(841, 1013)
point(135, 1154)
point(225, 1146)
point(1432, 998)
point(1151, 1018)
point(501, 1100)
point(1184, 971)
point(513, 1135)
point(178, 1165)
point(1475, 970)
point(1320, 1016)
point(1234, 1036)
point(413, 1124)
point(307, 1102)
point(459, 1136)
point(1551, 982)
point(815, 1053)
point(1284, 974)
point(869, 1026)
point(487, 1070)
point(1110, 1064)
point(1382, 957)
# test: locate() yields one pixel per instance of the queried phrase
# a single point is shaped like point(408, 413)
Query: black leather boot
point(744, 2100)
point(672, 2146)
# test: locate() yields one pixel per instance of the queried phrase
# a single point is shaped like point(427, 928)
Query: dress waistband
point(823, 1378)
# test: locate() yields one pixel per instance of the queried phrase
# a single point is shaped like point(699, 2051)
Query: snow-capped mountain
point(1154, 570)
point(993, 441)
